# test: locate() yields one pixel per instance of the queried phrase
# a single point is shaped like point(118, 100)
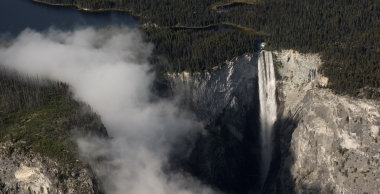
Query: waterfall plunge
point(268, 108)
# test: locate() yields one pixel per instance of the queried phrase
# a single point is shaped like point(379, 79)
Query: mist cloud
point(108, 69)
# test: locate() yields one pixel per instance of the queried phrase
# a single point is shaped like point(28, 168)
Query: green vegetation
point(40, 116)
point(342, 151)
point(345, 32)
point(345, 173)
point(197, 50)
point(342, 164)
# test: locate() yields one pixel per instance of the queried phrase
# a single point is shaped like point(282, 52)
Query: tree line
point(345, 32)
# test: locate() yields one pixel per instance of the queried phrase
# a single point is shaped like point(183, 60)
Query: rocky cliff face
point(226, 100)
point(328, 143)
point(325, 143)
point(207, 94)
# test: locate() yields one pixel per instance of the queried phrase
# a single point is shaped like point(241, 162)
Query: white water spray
point(268, 108)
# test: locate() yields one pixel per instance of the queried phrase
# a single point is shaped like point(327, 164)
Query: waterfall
point(268, 108)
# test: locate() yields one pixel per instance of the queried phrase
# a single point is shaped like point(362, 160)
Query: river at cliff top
point(17, 15)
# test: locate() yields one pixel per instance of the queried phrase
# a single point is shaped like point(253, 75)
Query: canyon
point(255, 134)
point(324, 143)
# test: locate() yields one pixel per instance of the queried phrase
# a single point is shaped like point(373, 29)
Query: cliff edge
point(332, 147)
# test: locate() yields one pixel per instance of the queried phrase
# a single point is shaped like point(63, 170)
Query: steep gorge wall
point(208, 93)
point(325, 143)
point(331, 147)
point(226, 101)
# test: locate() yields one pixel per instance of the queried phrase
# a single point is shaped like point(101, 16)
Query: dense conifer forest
point(345, 32)
point(38, 115)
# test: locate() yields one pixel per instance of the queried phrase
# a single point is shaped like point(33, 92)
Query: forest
point(38, 115)
point(345, 32)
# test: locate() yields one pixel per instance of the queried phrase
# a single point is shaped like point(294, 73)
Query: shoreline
point(236, 26)
point(86, 9)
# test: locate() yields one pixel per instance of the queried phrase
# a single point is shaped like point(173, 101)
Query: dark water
point(16, 15)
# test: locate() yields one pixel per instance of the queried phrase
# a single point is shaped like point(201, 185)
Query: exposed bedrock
point(226, 100)
point(328, 143)
point(324, 143)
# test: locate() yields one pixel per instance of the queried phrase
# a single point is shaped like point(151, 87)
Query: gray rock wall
point(226, 101)
point(333, 146)
point(208, 93)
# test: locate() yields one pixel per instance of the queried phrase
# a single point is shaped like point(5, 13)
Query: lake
point(16, 15)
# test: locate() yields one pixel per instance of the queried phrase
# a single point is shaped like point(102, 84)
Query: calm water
point(16, 15)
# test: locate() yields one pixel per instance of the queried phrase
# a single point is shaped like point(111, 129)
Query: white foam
point(268, 108)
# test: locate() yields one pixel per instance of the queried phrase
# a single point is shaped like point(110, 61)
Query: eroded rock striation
point(208, 93)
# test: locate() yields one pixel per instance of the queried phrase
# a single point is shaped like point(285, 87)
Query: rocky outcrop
point(329, 143)
point(29, 172)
